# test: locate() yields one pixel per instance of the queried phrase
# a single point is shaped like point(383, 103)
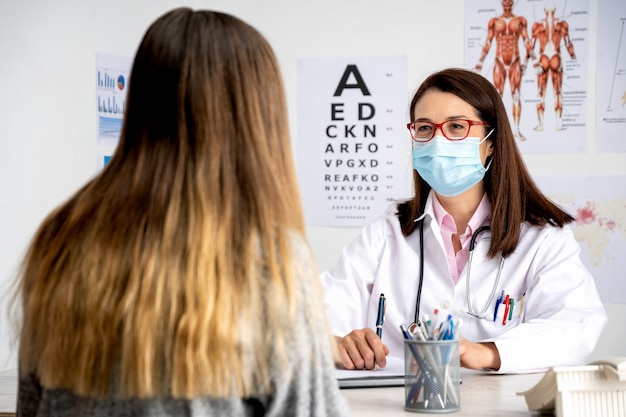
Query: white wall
point(47, 96)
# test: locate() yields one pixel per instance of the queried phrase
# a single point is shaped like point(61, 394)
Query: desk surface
point(482, 395)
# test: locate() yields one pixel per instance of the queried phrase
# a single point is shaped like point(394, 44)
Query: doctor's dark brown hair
point(159, 274)
point(514, 196)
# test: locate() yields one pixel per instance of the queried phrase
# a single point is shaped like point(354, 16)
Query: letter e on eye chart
point(352, 149)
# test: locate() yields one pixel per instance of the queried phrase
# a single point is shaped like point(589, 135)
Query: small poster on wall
point(112, 73)
point(353, 148)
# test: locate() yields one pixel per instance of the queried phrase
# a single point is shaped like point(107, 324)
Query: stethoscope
point(470, 310)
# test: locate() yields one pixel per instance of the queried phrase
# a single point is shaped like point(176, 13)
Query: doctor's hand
point(362, 349)
point(479, 355)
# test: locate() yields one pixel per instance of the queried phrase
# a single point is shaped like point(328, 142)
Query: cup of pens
point(432, 376)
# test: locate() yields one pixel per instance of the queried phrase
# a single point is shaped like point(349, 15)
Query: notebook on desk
point(392, 375)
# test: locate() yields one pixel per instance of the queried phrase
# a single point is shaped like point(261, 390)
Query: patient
point(178, 282)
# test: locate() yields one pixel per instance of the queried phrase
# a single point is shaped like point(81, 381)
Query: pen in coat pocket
point(498, 302)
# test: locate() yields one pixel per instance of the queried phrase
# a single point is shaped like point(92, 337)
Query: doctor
point(525, 300)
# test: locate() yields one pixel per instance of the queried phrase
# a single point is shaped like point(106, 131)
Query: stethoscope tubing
point(469, 267)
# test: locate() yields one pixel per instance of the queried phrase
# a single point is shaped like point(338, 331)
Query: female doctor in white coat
point(468, 174)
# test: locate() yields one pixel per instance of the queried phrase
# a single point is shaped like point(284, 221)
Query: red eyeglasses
point(455, 129)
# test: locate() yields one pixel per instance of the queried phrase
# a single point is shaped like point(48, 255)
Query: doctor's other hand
point(479, 355)
point(362, 349)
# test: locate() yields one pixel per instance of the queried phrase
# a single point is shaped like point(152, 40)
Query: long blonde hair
point(169, 273)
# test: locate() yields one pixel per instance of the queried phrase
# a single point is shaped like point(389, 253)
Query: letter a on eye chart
point(352, 151)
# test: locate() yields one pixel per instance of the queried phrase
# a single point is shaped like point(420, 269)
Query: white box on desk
point(598, 389)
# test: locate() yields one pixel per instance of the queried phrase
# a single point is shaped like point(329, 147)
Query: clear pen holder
point(432, 376)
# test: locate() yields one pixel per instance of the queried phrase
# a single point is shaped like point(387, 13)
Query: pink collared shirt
point(457, 261)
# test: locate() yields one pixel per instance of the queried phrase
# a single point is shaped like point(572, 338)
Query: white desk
point(481, 395)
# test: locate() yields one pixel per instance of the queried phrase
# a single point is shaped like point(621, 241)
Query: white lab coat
point(562, 315)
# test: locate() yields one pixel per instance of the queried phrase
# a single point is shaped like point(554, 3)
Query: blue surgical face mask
point(450, 167)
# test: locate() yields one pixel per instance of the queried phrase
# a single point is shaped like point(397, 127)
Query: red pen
point(507, 304)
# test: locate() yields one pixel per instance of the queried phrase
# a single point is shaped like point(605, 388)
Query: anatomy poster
point(353, 148)
point(536, 54)
point(611, 76)
point(597, 204)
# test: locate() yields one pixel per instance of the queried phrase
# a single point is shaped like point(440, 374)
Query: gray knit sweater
point(311, 389)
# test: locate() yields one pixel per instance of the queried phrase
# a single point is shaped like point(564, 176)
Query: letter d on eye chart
point(353, 152)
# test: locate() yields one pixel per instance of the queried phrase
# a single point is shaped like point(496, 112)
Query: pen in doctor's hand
point(381, 315)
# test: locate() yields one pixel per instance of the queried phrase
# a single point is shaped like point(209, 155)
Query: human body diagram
point(507, 30)
point(549, 33)
point(519, 44)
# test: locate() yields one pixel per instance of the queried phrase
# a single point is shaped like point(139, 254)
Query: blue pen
point(414, 351)
point(414, 392)
point(445, 331)
point(498, 302)
point(381, 315)
point(450, 331)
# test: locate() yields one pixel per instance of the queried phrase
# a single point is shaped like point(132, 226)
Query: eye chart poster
point(353, 148)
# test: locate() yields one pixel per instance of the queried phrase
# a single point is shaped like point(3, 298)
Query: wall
point(48, 123)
